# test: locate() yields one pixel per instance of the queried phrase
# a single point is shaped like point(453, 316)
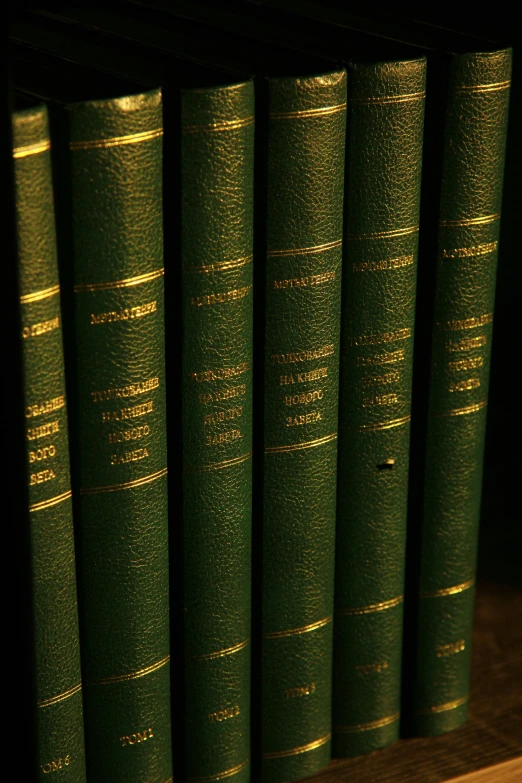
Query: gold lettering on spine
point(385, 265)
point(36, 330)
point(474, 322)
point(43, 431)
point(225, 714)
point(221, 297)
point(220, 374)
point(470, 252)
point(303, 356)
point(131, 390)
point(47, 406)
point(302, 690)
point(128, 313)
point(54, 766)
point(381, 338)
point(137, 737)
point(371, 668)
point(443, 650)
point(304, 282)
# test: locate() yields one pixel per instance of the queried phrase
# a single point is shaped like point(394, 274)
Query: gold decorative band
point(126, 484)
point(492, 87)
point(304, 251)
point(227, 773)
point(372, 724)
point(324, 111)
point(60, 697)
point(380, 607)
point(298, 631)
point(126, 283)
point(478, 221)
point(131, 675)
point(405, 98)
point(219, 266)
point(384, 425)
point(281, 754)
point(477, 406)
point(222, 653)
point(309, 444)
point(32, 149)
point(448, 590)
point(397, 232)
point(227, 463)
point(50, 502)
point(218, 127)
point(37, 296)
point(116, 141)
point(449, 705)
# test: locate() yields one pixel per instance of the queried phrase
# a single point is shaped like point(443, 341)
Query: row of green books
point(229, 235)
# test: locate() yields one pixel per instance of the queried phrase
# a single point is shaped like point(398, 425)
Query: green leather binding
point(306, 142)
point(217, 166)
point(57, 654)
point(382, 221)
point(115, 154)
point(470, 206)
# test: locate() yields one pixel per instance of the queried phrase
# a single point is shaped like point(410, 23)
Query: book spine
point(386, 117)
point(57, 645)
point(305, 153)
point(115, 157)
point(473, 165)
point(217, 168)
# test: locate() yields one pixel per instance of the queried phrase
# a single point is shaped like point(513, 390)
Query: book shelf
point(491, 735)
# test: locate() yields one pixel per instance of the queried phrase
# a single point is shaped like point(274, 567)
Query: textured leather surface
point(117, 253)
point(57, 646)
point(470, 206)
point(379, 278)
point(217, 168)
point(306, 143)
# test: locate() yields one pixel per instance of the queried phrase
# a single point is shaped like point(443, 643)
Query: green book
point(469, 222)
point(110, 177)
point(59, 712)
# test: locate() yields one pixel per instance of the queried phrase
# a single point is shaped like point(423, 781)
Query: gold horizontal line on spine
point(32, 149)
point(126, 484)
point(405, 98)
point(324, 111)
point(220, 126)
point(391, 234)
point(116, 141)
point(50, 502)
point(384, 425)
point(169, 780)
point(379, 607)
point(304, 251)
point(37, 296)
point(492, 87)
point(219, 266)
point(226, 463)
point(478, 221)
point(125, 283)
point(309, 444)
point(131, 675)
point(281, 754)
point(448, 590)
point(477, 406)
point(222, 653)
point(60, 697)
point(298, 631)
point(372, 724)
point(227, 773)
point(449, 705)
